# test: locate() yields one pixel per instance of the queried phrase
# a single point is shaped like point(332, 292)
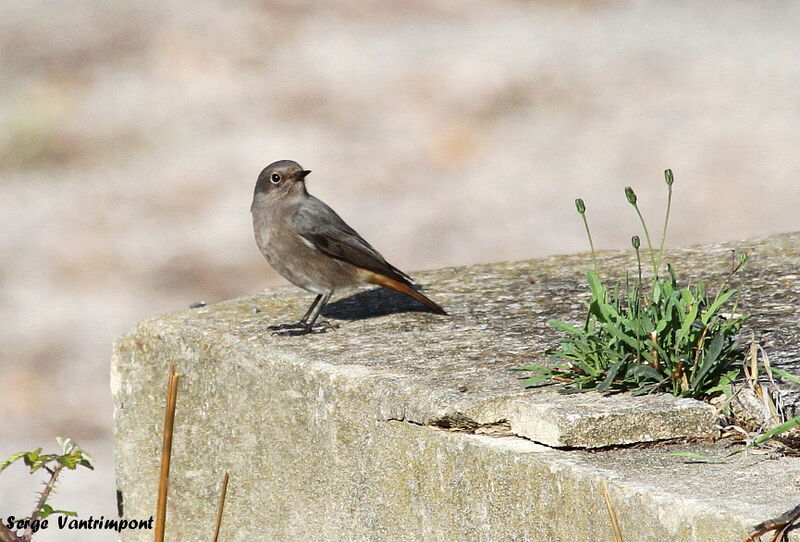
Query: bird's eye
point(275, 178)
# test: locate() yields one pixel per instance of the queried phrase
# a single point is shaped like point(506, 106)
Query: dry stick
point(221, 506)
point(166, 452)
point(779, 524)
point(612, 514)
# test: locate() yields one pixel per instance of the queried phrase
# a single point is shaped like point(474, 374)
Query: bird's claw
point(281, 327)
point(298, 329)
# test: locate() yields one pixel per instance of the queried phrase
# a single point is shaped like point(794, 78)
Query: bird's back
point(329, 233)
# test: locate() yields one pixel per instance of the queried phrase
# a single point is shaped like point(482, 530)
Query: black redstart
point(312, 247)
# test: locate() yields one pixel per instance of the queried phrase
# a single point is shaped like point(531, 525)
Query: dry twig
point(780, 525)
point(611, 513)
point(166, 453)
point(221, 506)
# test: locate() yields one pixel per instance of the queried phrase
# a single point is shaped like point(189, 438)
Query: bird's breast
point(296, 258)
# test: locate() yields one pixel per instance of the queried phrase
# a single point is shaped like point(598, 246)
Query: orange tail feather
point(397, 286)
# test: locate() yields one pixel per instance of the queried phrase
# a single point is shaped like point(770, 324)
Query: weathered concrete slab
point(591, 420)
point(343, 435)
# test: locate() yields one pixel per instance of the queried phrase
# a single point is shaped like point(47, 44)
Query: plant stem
point(48, 488)
point(8, 536)
point(637, 302)
point(639, 265)
point(666, 223)
point(647, 236)
point(734, 269)
point(591, 243)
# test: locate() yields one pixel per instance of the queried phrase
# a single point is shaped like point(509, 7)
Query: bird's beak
point(304, 173)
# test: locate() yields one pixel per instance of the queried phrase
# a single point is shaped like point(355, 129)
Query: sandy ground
point(446, 132)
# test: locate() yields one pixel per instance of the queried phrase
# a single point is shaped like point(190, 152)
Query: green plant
point(71, 457)
point(649, 336)
point(764, 437)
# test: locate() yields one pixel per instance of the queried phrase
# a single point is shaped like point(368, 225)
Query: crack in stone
point(459, 423)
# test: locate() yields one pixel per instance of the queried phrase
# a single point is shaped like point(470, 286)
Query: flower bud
point(636, 242)
point(580, 206)
point(668, 177)
point(631, 195)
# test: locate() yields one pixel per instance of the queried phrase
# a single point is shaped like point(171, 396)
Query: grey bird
point(309, 245)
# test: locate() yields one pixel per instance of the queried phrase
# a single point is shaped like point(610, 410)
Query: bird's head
point(281, 177)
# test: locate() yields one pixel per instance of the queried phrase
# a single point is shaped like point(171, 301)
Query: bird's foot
point(298, 329)
point(281, 327)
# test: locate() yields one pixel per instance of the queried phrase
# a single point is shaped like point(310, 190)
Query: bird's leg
point(303, 320)
point(316, 313)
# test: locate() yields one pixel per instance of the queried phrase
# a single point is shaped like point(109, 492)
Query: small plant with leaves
point(647, 336)
point(71, 457)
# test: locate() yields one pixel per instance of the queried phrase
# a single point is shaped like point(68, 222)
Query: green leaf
point(45, 511)
point(566, 328)
point(11, 459)
point(596, 286)
point(708, 361)
point(661, 325)
point(68, 461)
point(646, 372)
point(630, 341)
point(66, 445)
point(722, 297)
point(700, 292)
point(725, 383)
point(672, 277)
point(48, 510)
point(686, 325)
point(588, 368)
point(612, 373)
point(603, 312)
point(32, 457)
point(537, 368)
point(534, 380)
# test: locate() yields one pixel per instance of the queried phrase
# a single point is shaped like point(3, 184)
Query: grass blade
point(780, 372)
point(794, 422)
point(699, 457)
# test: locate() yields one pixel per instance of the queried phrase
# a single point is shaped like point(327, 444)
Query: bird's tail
point(386, 282)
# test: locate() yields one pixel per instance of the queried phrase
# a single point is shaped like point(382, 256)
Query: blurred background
point(447, 132)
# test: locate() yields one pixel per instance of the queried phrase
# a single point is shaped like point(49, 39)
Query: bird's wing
point(321, 226)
